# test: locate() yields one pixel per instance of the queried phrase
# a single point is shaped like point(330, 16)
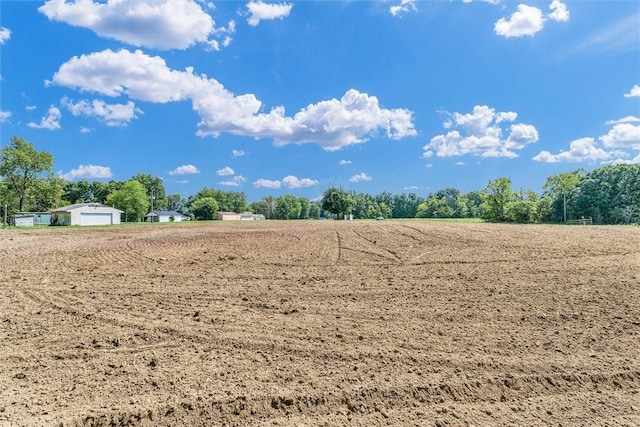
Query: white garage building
point(85, 214)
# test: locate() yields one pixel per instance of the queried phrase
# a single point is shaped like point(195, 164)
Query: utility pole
point(564, 203)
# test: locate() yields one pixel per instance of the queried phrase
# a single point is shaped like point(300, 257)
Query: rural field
point(320, 323)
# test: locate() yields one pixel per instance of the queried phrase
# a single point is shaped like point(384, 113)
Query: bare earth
point(320, 323)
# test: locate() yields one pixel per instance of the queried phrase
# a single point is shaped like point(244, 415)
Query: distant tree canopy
point(608, 195)
point(228, 201)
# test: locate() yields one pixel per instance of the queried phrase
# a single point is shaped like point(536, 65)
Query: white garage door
point(95, 219)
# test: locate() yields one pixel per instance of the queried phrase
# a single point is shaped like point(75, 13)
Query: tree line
point(608, 195)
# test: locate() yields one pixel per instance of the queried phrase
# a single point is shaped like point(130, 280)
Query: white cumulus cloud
point(345, 162)
point(635, 91)
point(111, 114)
point(627, 119)
point(51, 121)
point(480, 133)
point(559, 11)
point(185, 170)
point(236, 181)
point(526, 21)
point(225, 171)
point(5, 34)
point(237, 153)
point(291, 181)
point(87, 172)
point(332, 124)
point(361, 177)
point(161, 24)
point(405, 6)
point(266, 183)
point(622, 135)
point(261, 11)
point(580, 150)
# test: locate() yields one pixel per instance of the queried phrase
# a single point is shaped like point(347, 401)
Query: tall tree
point(337, 201)
point(21, 165)
point(204, 208)
point(132, 199)
point(154, 187)
point(559, 187)
point(495, 196)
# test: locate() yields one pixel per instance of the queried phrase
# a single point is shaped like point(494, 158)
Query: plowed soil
point(320, 323)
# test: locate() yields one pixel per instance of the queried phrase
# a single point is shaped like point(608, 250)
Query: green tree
point(314, 210)
point(204, 208)
point(21, 165)
point(305, 205)
point(521, 211)
point(337, 201)
point(495, 196)
point(559, 188)
point(154, 187)
point(287, 207)
point(46, 194)
point(132, 199)
point(175, 202)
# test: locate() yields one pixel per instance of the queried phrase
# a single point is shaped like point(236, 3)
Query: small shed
point(85, 214)
point(229, 216)
point(165, 216)
point(29, 219)
point(22, 220)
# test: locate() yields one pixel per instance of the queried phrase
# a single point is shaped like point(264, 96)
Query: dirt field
point(320, 323)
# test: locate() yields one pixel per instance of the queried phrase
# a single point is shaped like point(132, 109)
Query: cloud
point(622, 135)
point(615, 37)
point(260, 11)
point(266, 183)
point(332, 124)
point(226, 171)
point(51, 121)
point(237, 153)
point(4, 116)
point(159, 24)
point(526, 21)
point(559, 12)
point(5, 34)
point(236, 181)
point(361, 177)
point(481, 135)
point(87, 172)
point(580, 150)
point(344, 162)
point(111, 114)
point(185, 170)
point(635, 91)
point(411, 187)
point(627, 119)
point(405, 6)
point(291, 181)
point(85, 130)
point(621, 142)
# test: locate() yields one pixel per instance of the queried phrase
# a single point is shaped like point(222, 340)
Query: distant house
point(85, 214)
point(249, 216)
point(29, 219)
point(229, 216)
point(165, 216)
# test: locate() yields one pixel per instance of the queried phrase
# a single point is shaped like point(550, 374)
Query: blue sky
point(271, 98)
